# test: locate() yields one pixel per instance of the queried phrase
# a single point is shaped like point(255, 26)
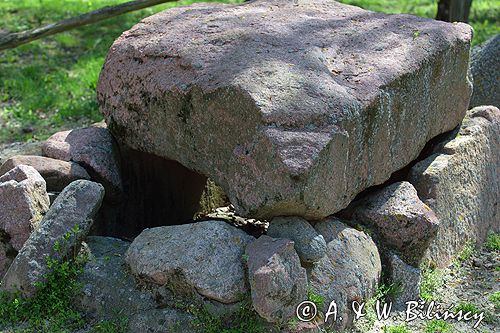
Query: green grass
point(51, 309)
point(111, 326)
point(493, 242)
point(438, 326)
point(243, 320)
point(467, 307)
point(474, 309)
point(384, 293)
point(484, 16)
point(466, 252)
point(317, 299)
point(495, 299)
point(464, 255)
point(432, 280)
point(49, 85)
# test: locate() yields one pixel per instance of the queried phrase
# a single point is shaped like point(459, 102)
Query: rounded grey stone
point(310, 245)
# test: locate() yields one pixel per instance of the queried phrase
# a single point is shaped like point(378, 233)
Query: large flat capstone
point(292, 107)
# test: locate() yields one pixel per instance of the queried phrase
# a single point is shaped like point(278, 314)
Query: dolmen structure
point(338, 140)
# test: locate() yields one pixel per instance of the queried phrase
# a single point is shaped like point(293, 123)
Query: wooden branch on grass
point(11, 40)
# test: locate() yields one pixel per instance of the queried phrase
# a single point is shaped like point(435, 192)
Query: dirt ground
point(469, 285)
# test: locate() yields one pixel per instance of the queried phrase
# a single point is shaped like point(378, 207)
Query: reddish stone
point(403, 221)
point(23, 202)
point(94, 149)
point(277, 281)
point(57, 174)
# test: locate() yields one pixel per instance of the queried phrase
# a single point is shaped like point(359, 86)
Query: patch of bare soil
point(468, 286)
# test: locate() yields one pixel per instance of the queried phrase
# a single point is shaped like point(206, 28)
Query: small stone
point(477, 262)
point(349, 272)
point(23, 202)
point(94, 149)
point(71, 214)
point(310, 245)
point(277, 281)
point(57, 174)
point(407, 279)
point(404, 222)
point(53, 196)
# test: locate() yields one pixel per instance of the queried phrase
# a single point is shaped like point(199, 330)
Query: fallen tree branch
point(11, 40)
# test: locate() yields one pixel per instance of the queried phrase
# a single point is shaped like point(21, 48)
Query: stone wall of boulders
point(295, 134)
point(486, 72)
point(460, 183)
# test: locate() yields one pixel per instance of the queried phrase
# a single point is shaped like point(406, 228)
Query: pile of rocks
point(61, 180)
point(297, 111)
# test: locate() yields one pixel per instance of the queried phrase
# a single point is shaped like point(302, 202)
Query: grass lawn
point(49, 85)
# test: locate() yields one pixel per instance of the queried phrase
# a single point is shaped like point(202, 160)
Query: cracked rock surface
point(461, 183)
point(293, 108)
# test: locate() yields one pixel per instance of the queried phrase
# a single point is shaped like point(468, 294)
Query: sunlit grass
point(484, 16)
point(49, 84)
